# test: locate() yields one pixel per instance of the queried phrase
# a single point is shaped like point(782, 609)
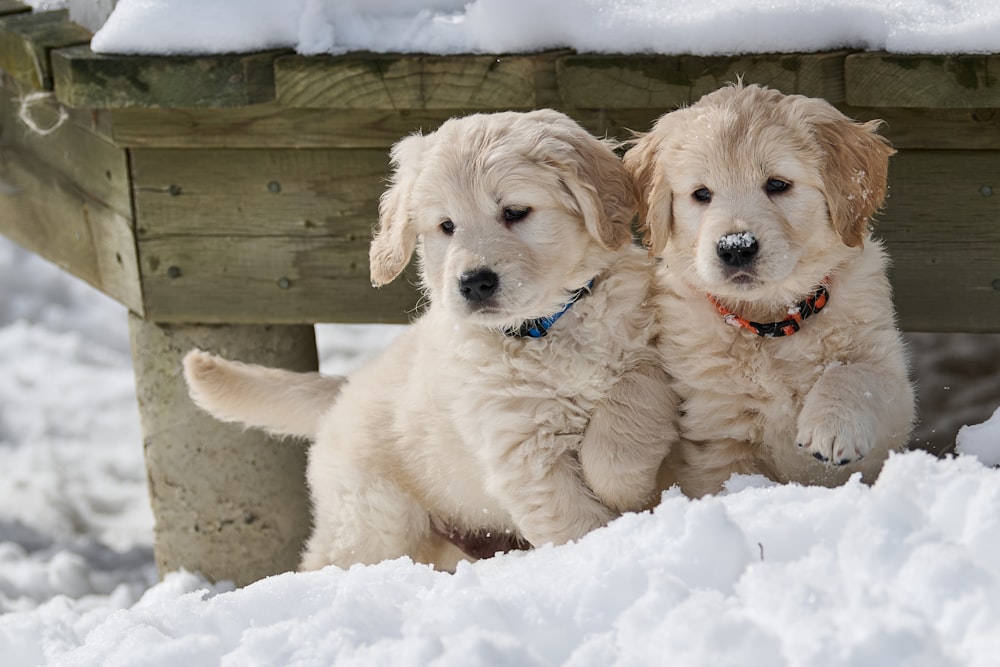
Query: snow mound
point(904, 572)
point(981, 440)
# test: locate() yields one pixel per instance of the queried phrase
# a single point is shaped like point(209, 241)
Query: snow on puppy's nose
point(737, 248)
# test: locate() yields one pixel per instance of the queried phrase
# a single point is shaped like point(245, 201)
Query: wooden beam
point(940, 226)
point(275, 279)
point(274, 126)
point(301, 193)
point(665, 82)
point(96, 166)
point(13, 7)
point(89, 80)
point(926, 81)
point(261, 236)
point(268, 126)
point(953, 129)
point(379, 82)
point(65, 197)
point(27, 40)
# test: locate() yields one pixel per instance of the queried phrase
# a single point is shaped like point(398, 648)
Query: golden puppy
point(782, 332)
point(514, 405)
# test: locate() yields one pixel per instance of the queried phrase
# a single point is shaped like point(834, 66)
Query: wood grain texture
point(940, 226)
point(665, 82)
point(13, 7)
point(284, 192)
point(48, 213)
point(66, 197)
point(413, 82)
point(274, 126)
point(267, 279)
point(928, 81)
point(97, 167)
point(269, 126)
point(261, 236)
point(27, 40)
point(86, 79)
point(955, 129)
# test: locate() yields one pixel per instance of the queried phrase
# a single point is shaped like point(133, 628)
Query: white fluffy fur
point(830, 400)
point(457, 426)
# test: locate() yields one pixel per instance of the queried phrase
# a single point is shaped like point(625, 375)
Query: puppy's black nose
point(478, 285)
point(737, 249)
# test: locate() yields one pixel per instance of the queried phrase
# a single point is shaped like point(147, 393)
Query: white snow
point(507, 26)
point(981, 440)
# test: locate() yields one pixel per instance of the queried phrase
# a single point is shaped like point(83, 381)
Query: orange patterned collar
point(811, 305)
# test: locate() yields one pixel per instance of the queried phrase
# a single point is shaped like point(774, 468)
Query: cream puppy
point(782, 332)
point(528, 401)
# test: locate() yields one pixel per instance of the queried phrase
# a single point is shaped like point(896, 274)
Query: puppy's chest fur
point(554, 382)
point(735, 385)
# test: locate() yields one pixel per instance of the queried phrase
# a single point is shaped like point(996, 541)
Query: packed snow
point(508, 26)
point(981, 440)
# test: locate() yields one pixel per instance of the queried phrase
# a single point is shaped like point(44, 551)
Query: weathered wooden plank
point(266, 126)
point(940, 226)
point(94, 165)
point(956, 129)
point(274, 126)
point(407, 82)
point(46, 212)
point(13, 7)
point(269, 279)
point(27, 39)
point(929, 81)
point(664, 82)
point(261, 235)
point(90, 80)
point(257, 192)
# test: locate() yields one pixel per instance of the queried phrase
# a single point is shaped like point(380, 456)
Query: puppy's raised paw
point(835, 440)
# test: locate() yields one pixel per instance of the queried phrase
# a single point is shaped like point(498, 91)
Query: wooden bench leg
point(229, 503)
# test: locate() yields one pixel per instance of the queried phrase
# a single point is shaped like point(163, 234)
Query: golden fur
point(830, 400)
point(457, 426)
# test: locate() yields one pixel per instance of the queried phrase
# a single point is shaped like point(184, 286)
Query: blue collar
point(538, 327)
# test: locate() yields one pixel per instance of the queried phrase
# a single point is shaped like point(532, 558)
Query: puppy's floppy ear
point(396, 236)
point(855, 169)
point(652, 189)
point(594, 176)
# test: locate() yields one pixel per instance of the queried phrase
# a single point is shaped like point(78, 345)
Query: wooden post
point(229, 503)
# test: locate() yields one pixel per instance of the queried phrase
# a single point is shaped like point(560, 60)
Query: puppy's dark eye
point(703, 195)
point(775, 185)
point(448, 227)
point(515, 213)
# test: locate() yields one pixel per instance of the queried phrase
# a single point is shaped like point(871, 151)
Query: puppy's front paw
point(835, 439)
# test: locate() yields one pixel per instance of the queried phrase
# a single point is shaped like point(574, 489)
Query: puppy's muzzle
point(737, 249)
point(478, 286)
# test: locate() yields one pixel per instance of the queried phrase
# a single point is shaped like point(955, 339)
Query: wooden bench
point(228, 201)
